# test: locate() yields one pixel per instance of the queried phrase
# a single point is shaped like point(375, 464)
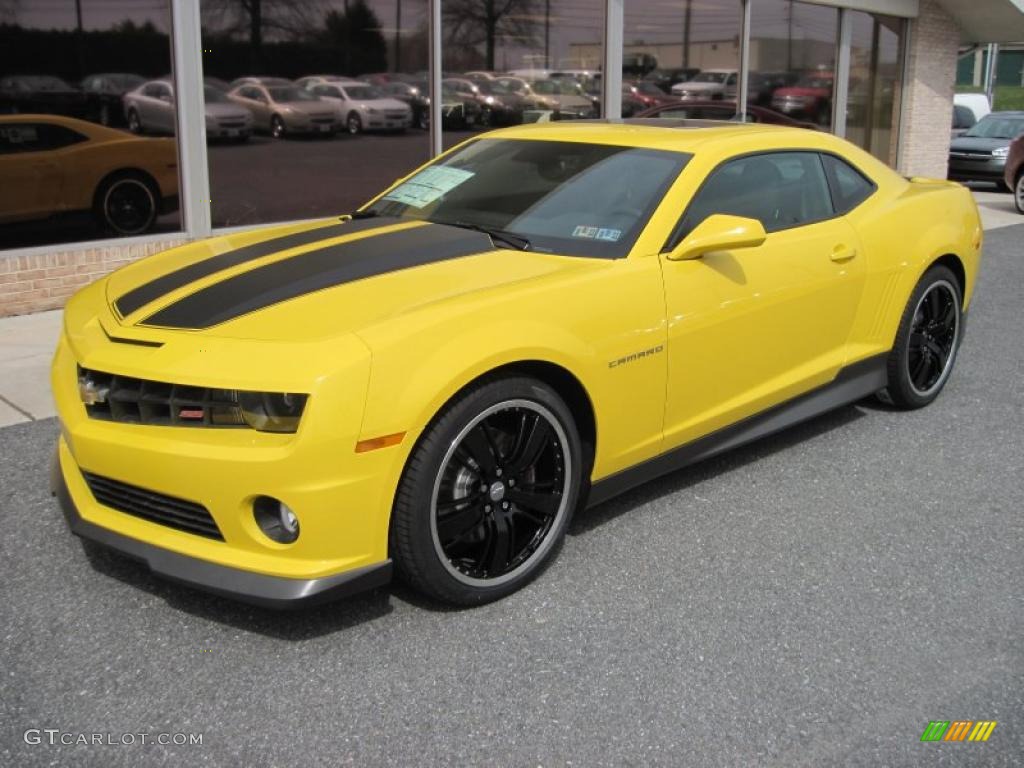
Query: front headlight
point(272, 411)
point(489, 100)
point(1000, 152)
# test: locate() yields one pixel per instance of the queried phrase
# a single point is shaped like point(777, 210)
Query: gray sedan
point(150, 109)
point(980, 153)
point(284, 109)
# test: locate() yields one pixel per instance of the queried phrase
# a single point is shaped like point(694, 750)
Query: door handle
point(843, 252)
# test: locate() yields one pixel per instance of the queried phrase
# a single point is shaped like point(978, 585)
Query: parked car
point(41, 94)
point(963, 120)
point(711, 84)
point(150, 108)
point(104, 95)
point(259, 80)
point(458, 111)
point(55, 166)
point(281, 110)
point(216, 82)
point(810, 98)
point(666, 78)
point(341, 400)
point(531, 96)
point(496, 107)
point(980, 153)
point(1013, 174)
point(410, 93)
point(722, 110)
point(978, 103)
point(309, 81)
point(572, 100)
point(647, 93)
point(361, 107)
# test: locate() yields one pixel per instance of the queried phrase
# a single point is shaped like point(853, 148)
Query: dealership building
point(883, 74)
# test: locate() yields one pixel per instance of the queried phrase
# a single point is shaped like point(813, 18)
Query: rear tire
point(487, 493)
point(126, 203)
point(929, 334)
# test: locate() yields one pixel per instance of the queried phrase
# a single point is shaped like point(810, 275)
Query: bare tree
point(259, 19)
point(9, 11)
point(472, 22)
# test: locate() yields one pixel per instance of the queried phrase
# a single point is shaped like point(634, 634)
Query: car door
point(163, 109)
point(31, 173)
point(753, 327)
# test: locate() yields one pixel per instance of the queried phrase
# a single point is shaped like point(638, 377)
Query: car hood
point(977, 144)
point(318, 281)
point(222, 110)
point(383, 103)
point(308, 107)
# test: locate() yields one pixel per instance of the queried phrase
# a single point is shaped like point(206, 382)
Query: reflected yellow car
point(54, 166)
point(539, 319)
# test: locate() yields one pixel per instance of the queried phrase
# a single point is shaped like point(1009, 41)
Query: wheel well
point(952, 262)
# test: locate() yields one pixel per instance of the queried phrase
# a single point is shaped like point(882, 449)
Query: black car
point(497, 105)
point(40, 94)
point(666, 78)
point(980, 153)
point(103, 94)
point(413, 95)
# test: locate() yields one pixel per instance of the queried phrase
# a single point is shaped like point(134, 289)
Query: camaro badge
point(636, 356)
point(91, 393)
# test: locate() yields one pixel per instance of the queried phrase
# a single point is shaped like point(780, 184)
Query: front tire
point(354, 124)
point(1018, 192)
point(923, 356)
point(487, 493)
point(277, 127)
point(134, 123)
point(126, 203)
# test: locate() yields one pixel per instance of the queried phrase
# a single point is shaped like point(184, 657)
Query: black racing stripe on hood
point(316, 270)
point(139, 297)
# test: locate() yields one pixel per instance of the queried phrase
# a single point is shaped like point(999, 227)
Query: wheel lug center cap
point(497, 491)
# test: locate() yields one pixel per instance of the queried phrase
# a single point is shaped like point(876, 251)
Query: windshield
point(283, 94)
point(994, 127)
point(564, 197)
point(710, 77)
point(213, 95)
point(362, 92)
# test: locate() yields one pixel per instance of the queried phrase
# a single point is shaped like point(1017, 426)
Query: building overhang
point(987, 21)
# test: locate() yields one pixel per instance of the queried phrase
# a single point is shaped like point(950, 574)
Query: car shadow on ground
point(689, 477)
point(316, 621)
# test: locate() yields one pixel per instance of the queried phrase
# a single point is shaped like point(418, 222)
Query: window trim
point(674, 236)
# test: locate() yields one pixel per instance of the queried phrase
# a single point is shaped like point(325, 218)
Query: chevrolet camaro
point(539, 319)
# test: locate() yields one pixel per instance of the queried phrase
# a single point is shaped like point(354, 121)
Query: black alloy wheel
point(927, 341)
point(488, 493)
point(126, 204)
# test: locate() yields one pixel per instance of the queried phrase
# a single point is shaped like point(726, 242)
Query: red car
point(646, 93)
point(721, 110)
point(1014, 173)
point(809, 97)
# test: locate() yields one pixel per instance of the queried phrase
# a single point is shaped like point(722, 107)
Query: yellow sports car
point(53, 166)
point(541, 318)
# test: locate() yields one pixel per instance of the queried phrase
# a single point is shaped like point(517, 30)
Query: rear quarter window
point(849, 186)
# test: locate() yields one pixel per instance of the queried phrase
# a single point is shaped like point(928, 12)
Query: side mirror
point(719, 233)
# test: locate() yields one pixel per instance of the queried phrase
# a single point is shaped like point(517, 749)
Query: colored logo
point(958, 730)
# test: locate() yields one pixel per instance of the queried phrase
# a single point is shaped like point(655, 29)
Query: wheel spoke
point(499, 552)
point(934, 305)
point(457, 524)
point(948, 315)
point(477, 444)
point(545, 503)
point(918, 369)
point(533, 438)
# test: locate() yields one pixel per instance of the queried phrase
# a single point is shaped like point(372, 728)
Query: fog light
point(276, 519)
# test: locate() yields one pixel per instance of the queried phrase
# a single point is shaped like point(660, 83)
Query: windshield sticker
point(597, 233)
point(428, 185)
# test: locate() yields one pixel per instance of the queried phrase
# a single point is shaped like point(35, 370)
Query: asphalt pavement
point(811, 600)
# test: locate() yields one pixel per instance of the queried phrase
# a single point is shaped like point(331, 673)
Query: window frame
point(675, 237)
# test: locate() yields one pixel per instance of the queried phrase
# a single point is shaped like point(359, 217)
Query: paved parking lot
point(815, 599)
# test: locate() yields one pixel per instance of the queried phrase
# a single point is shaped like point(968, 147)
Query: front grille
point(140, 401)
point(156, 507)
point(396, 114)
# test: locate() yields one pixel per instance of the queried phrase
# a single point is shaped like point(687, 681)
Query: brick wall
point(38, 281)
point(928, 92)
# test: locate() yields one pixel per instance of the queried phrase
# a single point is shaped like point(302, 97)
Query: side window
point(58, 137)
point(153, 90)
point(779, 189)
point(849, 187)
point(20, 137)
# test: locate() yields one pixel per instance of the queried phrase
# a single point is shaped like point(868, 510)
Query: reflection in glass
point(792, 59)
point(336, 97)
point(69, 170)
point(872, 110)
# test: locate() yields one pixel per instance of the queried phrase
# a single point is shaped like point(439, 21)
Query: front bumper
point(976, 168)
point(254, 588)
